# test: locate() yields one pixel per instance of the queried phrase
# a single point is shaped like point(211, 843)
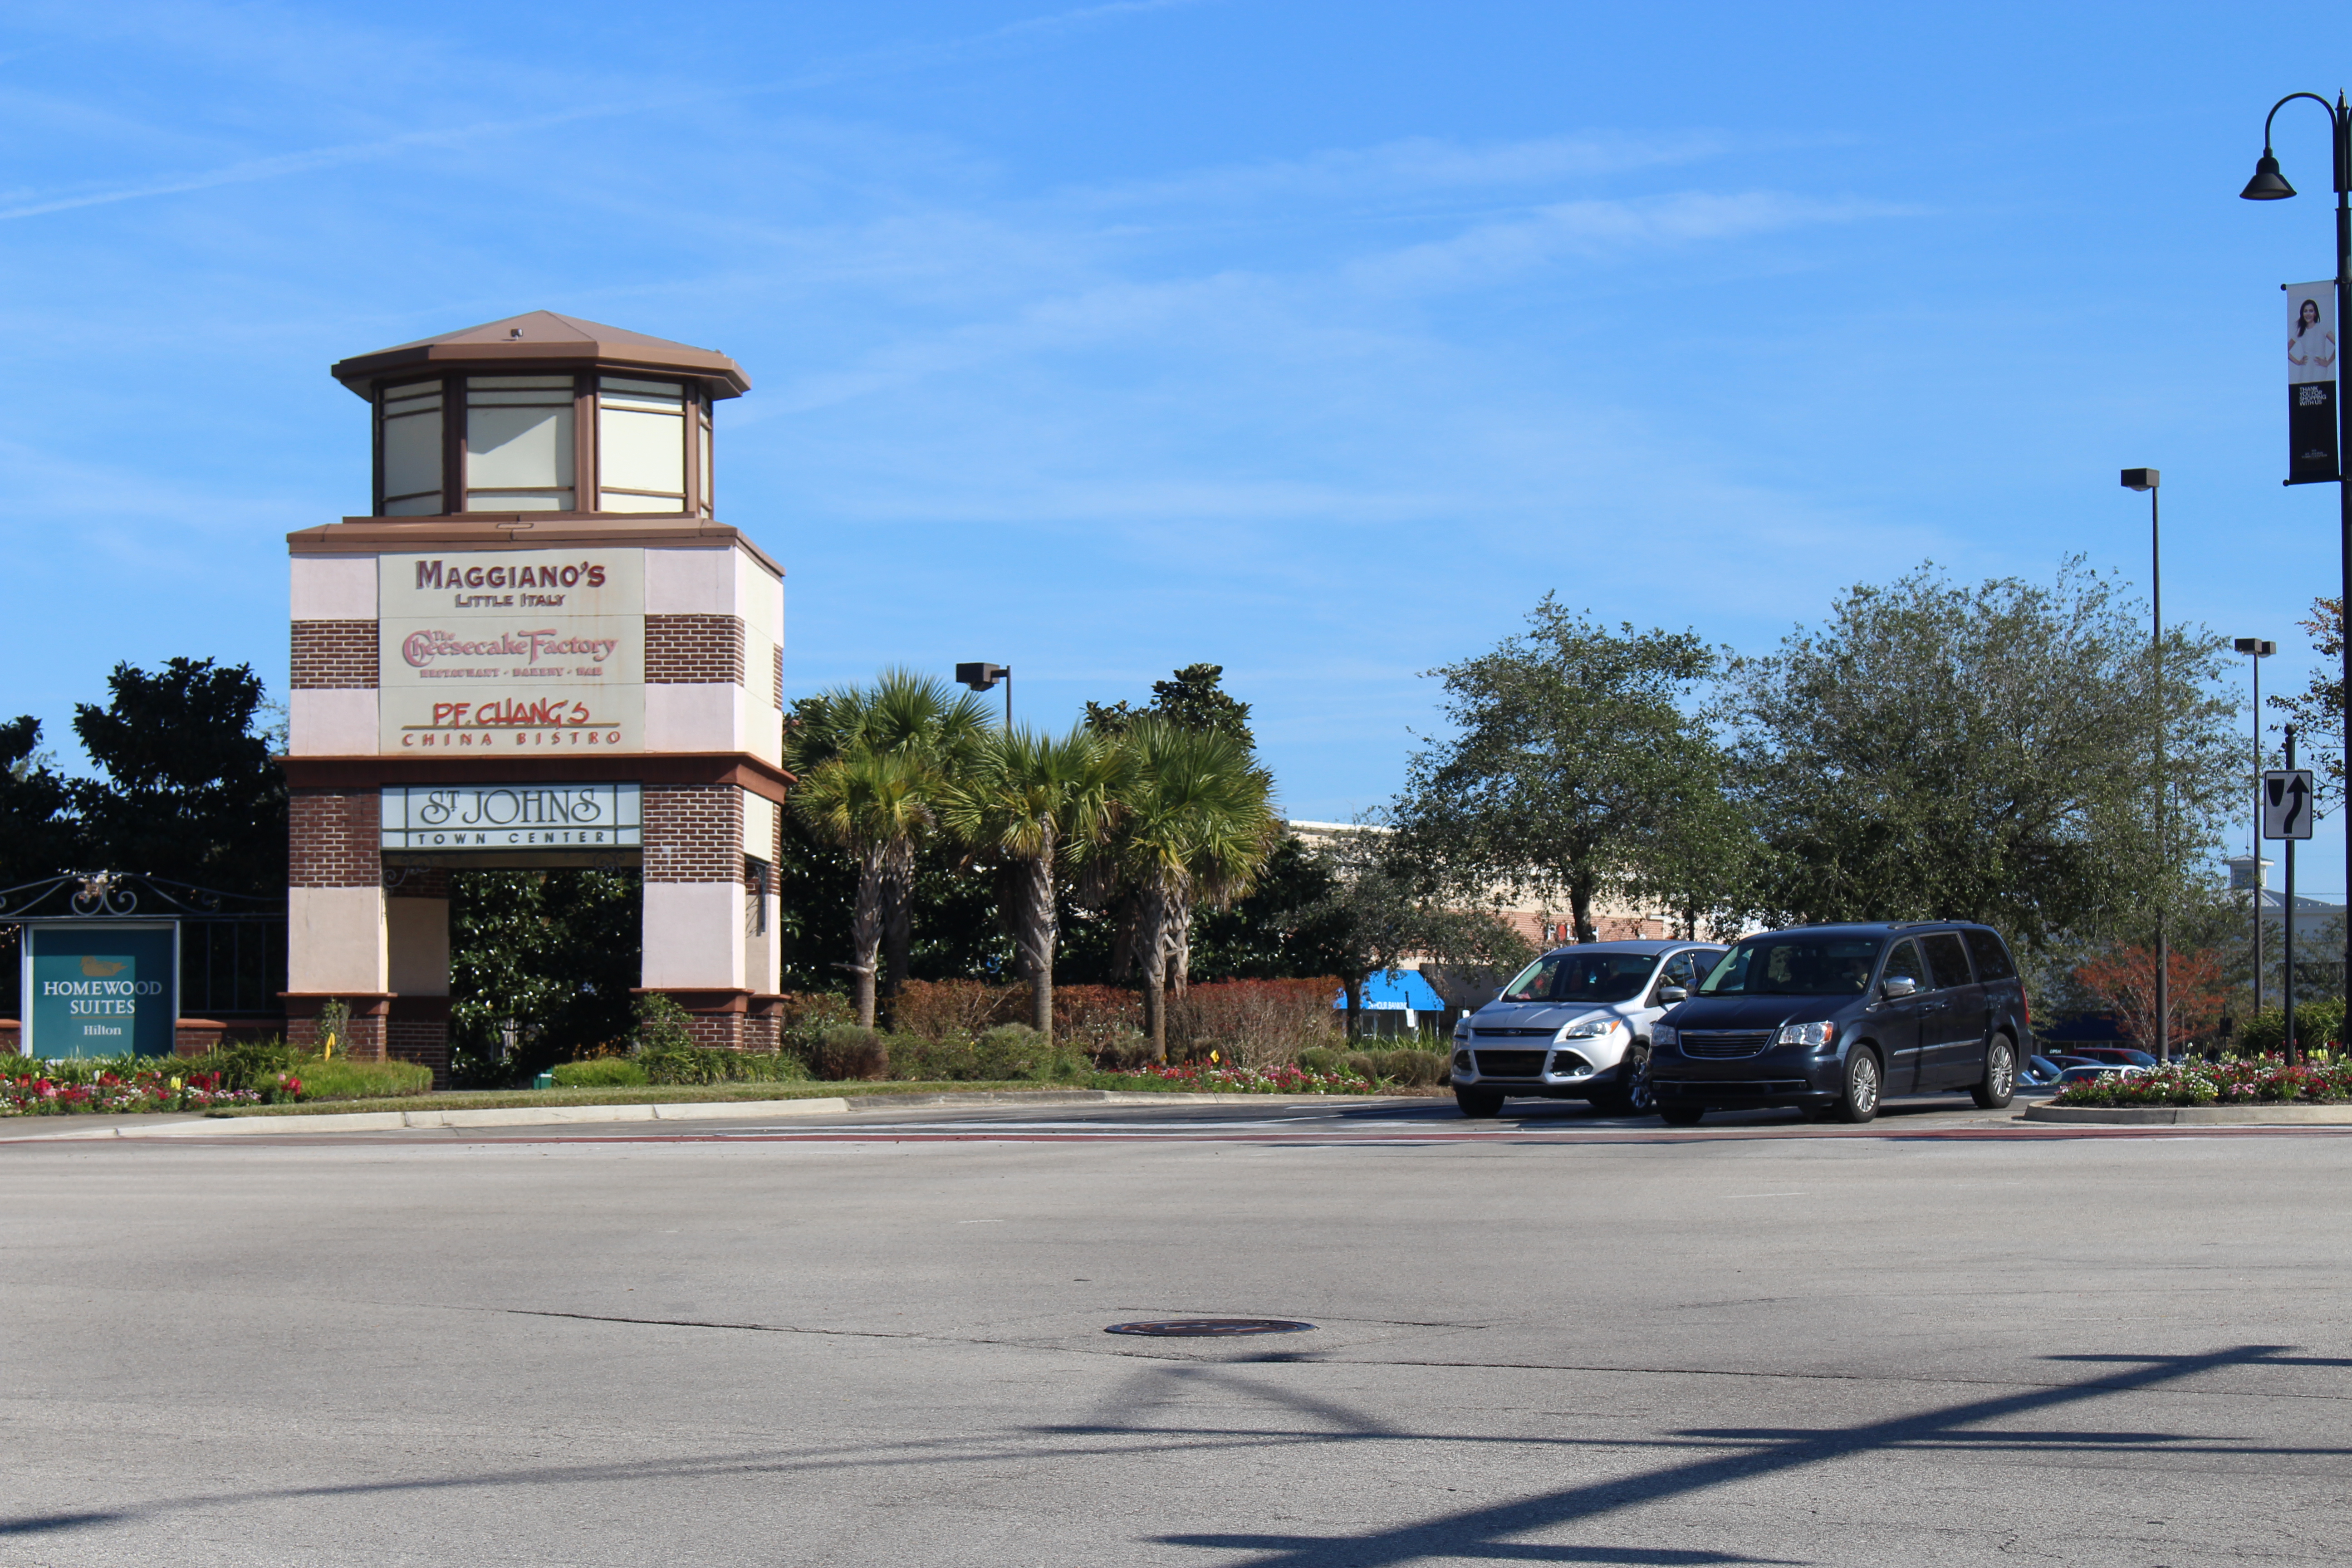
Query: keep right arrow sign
point(2287, 803)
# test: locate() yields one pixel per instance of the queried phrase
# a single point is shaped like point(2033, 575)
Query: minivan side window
point(1905, 962)
point(1950, 958)
point(1992, 958)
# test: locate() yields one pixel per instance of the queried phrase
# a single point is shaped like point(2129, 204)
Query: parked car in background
point(2038, 1072)
point(1831, 1018)
point(1575, 1024)
point(2117, 1056)
point(2085, 1072)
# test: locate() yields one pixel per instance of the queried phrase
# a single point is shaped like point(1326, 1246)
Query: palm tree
point(1196, 822)
point(1031, 800)
point(871, 804)
point(871, 764)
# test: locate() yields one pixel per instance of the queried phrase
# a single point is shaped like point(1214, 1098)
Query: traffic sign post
point(2286, 815)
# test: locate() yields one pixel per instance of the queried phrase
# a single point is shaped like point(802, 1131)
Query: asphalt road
point(1950, 1337)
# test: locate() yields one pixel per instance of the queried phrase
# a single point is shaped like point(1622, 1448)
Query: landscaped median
point(2237, 1090)
point(549, 1108)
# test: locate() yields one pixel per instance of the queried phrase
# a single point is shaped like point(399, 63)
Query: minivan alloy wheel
point(1862, 1084)
point(1999, 1076)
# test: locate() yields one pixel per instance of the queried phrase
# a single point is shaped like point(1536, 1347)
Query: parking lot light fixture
point(2257, 650)
point(983, 678)
point(2147, 479)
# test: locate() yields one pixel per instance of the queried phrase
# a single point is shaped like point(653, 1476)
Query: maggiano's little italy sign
point(519, 651)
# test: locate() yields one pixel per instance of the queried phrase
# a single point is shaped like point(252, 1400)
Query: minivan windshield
point(1594, 977)
point(1794, 966)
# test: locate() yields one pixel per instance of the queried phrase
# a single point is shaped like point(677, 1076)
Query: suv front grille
point(1487, 1033)
point(1722, 1045)
point(1510, 1064)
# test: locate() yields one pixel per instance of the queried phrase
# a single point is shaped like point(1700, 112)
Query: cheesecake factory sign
point(523, 652)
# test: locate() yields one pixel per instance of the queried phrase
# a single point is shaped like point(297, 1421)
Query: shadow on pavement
point(1486, 1533)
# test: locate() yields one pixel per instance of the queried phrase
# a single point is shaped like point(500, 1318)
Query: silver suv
point(1575, 1024)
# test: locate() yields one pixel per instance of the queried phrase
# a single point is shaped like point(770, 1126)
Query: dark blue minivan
point(1831, 1020)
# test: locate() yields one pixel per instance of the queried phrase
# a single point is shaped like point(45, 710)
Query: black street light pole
point(2269, 186)
point(2147, 479)
point(2257, 650)
point(2286, 929)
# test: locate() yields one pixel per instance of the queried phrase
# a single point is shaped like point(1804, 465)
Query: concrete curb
point(680, 1110)
point(2194, 1115)
point(510, 1116)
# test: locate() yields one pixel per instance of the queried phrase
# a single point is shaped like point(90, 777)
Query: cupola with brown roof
point(542, 413)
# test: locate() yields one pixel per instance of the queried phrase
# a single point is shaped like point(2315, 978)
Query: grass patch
point(340, 1078)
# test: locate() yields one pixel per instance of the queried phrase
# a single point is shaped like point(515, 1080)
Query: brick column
point(336, 947)
point(417, 926)
point(694, 906)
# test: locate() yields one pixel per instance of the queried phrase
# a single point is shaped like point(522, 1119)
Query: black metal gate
point(232, 947)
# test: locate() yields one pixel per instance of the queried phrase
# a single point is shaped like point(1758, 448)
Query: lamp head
point(2268, 184)
point(2259, 647)
point(981, 677)
point(2140, 479)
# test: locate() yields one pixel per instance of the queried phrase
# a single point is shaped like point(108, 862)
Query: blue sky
point(1314, 340)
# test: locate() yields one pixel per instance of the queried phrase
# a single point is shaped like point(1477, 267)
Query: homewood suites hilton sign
point(456, 817)
point(99, 988)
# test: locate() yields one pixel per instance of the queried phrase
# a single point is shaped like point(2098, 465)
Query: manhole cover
point(1209, 1328)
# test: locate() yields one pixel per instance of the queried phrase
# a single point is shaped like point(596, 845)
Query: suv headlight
point(1818, 1035)
point(1462, 1027)
point(1593, 1028)
point(1665, 1035)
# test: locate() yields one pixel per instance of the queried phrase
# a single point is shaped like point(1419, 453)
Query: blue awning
point(1396, 990)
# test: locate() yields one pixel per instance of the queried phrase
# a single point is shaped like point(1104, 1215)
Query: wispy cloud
point(1592, 229)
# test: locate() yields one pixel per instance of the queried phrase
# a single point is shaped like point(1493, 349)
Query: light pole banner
point(2311, 458)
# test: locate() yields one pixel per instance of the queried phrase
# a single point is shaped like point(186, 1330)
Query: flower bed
point(1206, 1077)
point(58, 1091)
point(2236, 1080)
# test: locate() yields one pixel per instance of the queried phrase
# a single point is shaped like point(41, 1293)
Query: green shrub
point(2318, 1022)
point(601, 1072)
point(847, 1052)
point(805, 1017)
point(1415, 1070)
point(1361, 1064)
point(1115, 1048)
point(340, 1078)
point(663, 1025)
point(1321, 1059)
point(249, 1064)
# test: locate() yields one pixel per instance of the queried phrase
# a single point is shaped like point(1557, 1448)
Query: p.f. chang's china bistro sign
point(99, 988)
point(525, 652)
point(500, 818)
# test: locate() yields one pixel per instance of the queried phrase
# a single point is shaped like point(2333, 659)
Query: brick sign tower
point(540, 648)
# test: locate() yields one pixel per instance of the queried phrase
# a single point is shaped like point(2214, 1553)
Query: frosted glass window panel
point(709, 505)
point(427, 505)
point(517, 448)
point(658, 394)
point(640, 451)
point(623, 500)
point(412, 455)
point(517, 500)
point(410, 391)
point(544, 383)
point(519, 399)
